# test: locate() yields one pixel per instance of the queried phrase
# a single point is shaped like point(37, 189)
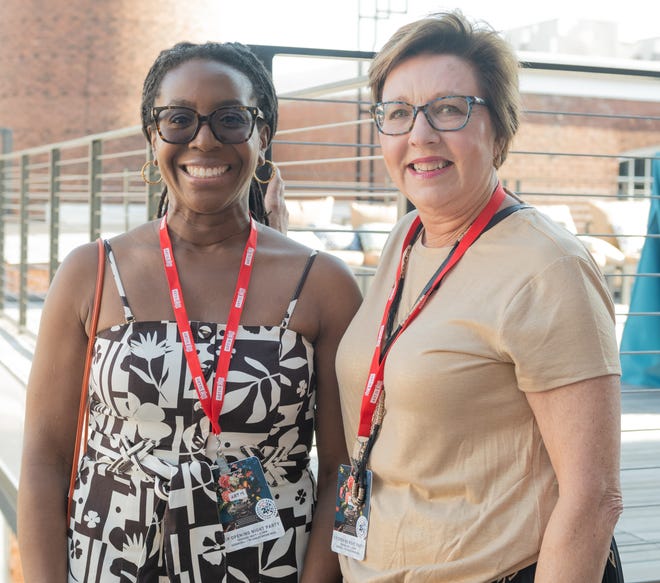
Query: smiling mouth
point(429, 166)
point(205, 171)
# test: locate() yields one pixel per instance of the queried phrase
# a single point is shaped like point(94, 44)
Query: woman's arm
point(581, 428)
point(53, 396)
point(338, 300)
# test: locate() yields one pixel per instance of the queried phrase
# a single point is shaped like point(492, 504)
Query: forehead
point(422, 77)
point(200, 82)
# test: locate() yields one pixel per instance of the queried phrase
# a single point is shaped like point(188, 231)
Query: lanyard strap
point(374, 384)
point(211, 401)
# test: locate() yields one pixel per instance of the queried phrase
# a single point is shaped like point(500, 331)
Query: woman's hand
point(276, 211)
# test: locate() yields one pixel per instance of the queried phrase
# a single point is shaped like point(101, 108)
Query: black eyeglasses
point(445, 114)
point(230, 124)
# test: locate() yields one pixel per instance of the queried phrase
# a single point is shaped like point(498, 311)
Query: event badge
point(351, 519)
point(246, 508)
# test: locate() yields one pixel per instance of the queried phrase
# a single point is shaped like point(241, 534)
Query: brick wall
point(309, 114)
point(74, 67)
point(574, 134)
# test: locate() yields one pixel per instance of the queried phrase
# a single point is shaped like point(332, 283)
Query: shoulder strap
point(505, 212)
point(83, 411)
point(301, 282)
point(128, 314)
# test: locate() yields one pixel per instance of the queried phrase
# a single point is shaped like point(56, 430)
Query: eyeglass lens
point(230, 125)
point(444, 114)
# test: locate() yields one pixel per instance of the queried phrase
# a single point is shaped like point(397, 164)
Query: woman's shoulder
point(82, 261)
point(143, 234)
point(72, 287)
point(331, 293)
point(392, 247)
point(529, 244)
point(324, 267)
point(530, 229)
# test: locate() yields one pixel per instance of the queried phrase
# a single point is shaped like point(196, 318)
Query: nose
point(422, 132)
point(205, 139)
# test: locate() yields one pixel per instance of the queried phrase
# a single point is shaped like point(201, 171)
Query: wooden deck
point(638, 530)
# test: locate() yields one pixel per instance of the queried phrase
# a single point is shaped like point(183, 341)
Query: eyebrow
point(403, 100)
point(189, 104)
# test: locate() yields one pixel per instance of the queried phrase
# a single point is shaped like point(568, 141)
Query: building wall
point(598, 137)
point(69, 68)
point(313, 144)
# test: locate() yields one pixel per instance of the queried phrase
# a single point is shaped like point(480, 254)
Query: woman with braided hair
point(213, 364)
point(275, 215)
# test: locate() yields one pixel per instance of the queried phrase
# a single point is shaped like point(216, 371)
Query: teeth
point(205, 172)
point(428, 166)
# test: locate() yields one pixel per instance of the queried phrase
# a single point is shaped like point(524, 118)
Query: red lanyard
point(374, 384)
point(212, 405)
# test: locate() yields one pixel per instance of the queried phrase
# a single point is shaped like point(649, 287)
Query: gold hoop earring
point(143, 173)
point(273, 170)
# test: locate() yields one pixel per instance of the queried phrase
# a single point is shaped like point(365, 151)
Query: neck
point(447, 238)
point(207, 231)
point(444, 229)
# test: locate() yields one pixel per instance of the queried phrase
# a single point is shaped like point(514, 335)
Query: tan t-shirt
point(463, 486)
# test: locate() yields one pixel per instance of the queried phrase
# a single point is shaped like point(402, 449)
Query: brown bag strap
point(83, 412)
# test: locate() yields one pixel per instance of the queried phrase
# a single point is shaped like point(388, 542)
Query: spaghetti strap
point(128, 314)
point(294, 300)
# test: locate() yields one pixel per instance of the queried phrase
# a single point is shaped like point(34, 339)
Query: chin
point(430, 199)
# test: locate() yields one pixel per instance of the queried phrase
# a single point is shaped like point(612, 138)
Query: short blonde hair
point(480, 45)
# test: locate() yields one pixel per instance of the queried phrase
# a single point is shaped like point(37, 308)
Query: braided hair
point(235, 55)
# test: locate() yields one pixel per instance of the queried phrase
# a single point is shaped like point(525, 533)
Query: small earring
point(272, 173)
point(143, 173)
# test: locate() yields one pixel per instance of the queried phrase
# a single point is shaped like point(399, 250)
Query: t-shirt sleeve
point(559, 328)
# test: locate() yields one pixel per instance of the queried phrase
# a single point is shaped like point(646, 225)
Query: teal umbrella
point(640, 343)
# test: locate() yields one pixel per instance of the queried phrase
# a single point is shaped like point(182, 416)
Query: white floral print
point(92, 519)
point(144, 506)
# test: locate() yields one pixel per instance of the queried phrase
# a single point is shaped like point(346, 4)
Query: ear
point(264, 140)
point(498, 148)
point(153, 137)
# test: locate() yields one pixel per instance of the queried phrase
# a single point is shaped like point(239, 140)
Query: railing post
point(3, 164)
point(95, 167)
point(7, 140)
point(54, 201)
point(152, 191)
point(126, 183)
point(23, 264)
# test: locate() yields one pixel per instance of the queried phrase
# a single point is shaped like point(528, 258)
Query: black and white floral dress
point(144, 506)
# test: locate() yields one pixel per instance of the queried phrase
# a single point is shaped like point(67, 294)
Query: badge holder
point(221, 465)
point(246, 509)
point(349, 536)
